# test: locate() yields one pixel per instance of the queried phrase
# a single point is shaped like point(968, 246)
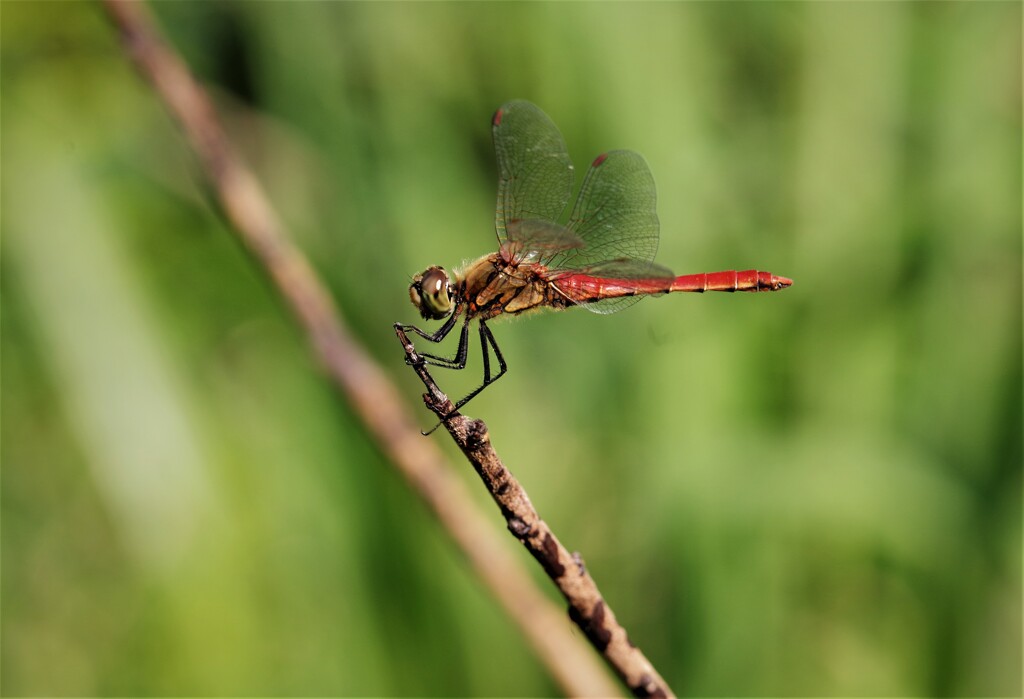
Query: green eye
point(431, 293)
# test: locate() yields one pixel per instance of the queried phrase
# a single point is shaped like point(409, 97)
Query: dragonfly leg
point(459, 360)
point(486, 338)
point(439, 334)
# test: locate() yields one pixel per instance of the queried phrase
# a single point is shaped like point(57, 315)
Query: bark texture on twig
point(376, 400)
point(587, 607)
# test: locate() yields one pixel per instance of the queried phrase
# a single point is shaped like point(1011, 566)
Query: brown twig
point(586, 605)
point(377, 402)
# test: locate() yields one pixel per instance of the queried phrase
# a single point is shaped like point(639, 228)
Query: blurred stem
point(375, 398)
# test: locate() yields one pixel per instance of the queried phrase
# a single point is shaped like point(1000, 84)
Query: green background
point(810, 492)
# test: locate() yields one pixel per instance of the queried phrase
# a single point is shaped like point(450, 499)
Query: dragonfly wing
point(612, 305)
point(534, 240)
point(535, 174)
point(629, 268)
point(615, 214)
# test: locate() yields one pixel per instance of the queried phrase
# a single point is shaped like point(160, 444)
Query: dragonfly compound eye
point(431, 293)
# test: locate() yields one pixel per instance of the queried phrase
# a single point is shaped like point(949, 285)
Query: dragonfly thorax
point(432, 294)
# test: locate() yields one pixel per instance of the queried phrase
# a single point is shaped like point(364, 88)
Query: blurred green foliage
point(811, 492)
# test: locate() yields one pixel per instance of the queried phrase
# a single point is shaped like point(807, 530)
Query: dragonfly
point(601, 257)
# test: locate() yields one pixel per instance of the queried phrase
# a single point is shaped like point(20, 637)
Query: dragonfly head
point(431, 292)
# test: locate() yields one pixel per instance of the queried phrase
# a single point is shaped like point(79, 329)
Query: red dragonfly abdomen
point(747, 280)
point(583, 288)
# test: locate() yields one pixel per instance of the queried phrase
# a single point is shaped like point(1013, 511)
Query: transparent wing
point(535, 174)
point(615, 215)
point(616, 218)
point(534, 240)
